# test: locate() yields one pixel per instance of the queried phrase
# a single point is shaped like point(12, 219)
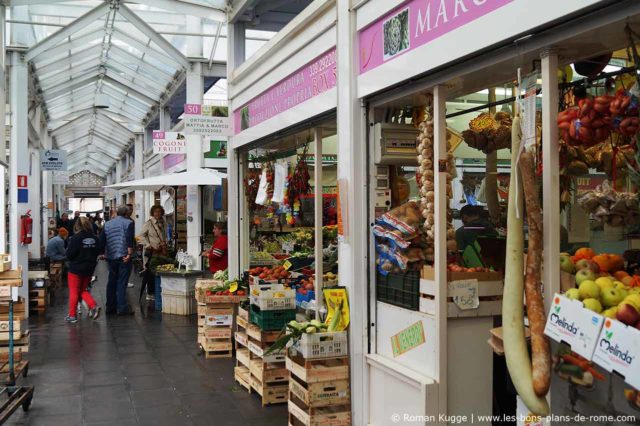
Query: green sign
point(217, 149)
point(409, 338)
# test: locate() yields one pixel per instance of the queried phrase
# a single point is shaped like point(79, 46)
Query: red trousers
point(78, 288)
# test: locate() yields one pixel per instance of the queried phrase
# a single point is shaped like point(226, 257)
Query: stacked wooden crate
point(319, 380)
point(9, 279)
point(38, 291)
point(215, 321)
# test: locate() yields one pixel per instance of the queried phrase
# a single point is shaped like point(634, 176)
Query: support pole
point(3, 140)
point(440, 229)
point(550, 177)
point(138, 173)
point(317, 179)
point(19, 164)
point(195, 91)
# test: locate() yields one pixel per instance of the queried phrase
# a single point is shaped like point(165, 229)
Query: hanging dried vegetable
point(251, 187)
point(299, 182)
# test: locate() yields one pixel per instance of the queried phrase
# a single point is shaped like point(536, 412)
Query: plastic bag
point(262, 197)
point(395, 236)
point(281, 169)
point(405, 218)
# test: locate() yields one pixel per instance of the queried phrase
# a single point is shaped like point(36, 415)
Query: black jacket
point(82, 253)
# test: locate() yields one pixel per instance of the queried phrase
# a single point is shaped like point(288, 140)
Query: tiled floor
point(141, 370)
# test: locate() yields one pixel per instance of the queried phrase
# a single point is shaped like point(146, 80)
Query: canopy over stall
point(191, 177)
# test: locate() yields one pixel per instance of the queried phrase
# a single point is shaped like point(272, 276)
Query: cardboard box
point(570, 322)
point(618, 350)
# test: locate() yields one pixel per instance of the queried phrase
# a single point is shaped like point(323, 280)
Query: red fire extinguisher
point(26, 228)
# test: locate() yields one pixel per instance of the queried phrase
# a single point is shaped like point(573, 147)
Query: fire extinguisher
point(26, 228)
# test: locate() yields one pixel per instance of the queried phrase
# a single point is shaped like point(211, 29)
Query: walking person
point(56, 253)
point(218, 255)
point(129, 215)
point(82, 255)
point(117, 240)
point(154, 241)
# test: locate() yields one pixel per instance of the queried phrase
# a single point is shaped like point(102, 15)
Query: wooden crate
point(217, 345)
point(37, 293)
point(259, 349)
point(18, 325)
point(243, 313)
point(336, 415)
point(321, 394)
point(222, 309)
point(242, 375)
point(267, 372)
point(244, 357)
point(254, 332)
point(213, 332)
point(271, 394)
point(241, 338)
point(218, 354)
point(202, 320)
point(18, 307)
point(201, 309)
point(489, 294)
point(318, 370)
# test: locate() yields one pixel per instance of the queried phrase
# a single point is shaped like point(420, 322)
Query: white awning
point(156, 183)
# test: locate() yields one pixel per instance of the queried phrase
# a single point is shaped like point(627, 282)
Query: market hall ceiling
point(130, 52)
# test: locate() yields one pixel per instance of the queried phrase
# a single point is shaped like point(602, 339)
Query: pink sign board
point(311, 80)
point(172, 160)
point(416, 23)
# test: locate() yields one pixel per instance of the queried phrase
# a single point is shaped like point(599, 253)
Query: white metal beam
point(130, 88)
point(44, 69)
point(67, 31)
point(137, 70)
point(90, 67)
point(73, 11)
point(58, 130)
point(162, 42)
point(63, 100)
point(110, 120)
point(151, 69)
point(73, 43)
point(134, 78)
point(138, 45)
point(69, 86)
point(182, 7)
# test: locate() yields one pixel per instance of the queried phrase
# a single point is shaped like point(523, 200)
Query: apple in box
point(627, 314)
point(585, 275)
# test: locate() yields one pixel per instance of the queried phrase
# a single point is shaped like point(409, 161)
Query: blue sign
point(23, 195)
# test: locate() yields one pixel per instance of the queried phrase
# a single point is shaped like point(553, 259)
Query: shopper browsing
point(154, 240)
point(57, 255)
point(117, 242)
point(475, 223)
point(82, 255)
point(218, 255)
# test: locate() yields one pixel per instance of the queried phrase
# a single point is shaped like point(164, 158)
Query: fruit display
point(489, 133)
point(226, 288)
point(603, 286)
point(633, 397)
point(454, 267)
point(221, 275)
point(167, 267)
point(612, 207)
point(270, 274)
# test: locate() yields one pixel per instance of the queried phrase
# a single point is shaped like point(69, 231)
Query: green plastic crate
point(399, 289)
point(271, 320)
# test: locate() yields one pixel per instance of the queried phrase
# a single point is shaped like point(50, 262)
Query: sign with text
point(311, 80)
point(416, 23)
point(53, 159)
point(409, 338)
point(169, 142)
point(199, 120)
point(465, 294)
point(618, 350)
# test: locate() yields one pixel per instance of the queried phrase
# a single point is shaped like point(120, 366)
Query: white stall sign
point(198, 120)
point(169, 142)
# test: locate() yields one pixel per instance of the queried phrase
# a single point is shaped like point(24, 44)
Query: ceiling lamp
point(102, 101)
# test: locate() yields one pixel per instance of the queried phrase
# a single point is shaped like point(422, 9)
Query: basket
point(178, 303)
point(271, 320)
point(272, 297)
point(401, 290)
point(322, 345)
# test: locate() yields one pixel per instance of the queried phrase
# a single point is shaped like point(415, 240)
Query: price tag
point(288, 246)
point(233, 287)
point(465, 294)
point(286, 265)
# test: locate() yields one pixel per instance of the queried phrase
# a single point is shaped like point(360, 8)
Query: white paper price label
point(465, 294)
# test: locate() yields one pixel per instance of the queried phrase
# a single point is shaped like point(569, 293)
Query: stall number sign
point(169, 143)
point(53, 159)
point(409, 338)
point(199, 120)
point(465, 294)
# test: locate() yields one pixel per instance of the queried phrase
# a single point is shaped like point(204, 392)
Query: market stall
point(444, 167)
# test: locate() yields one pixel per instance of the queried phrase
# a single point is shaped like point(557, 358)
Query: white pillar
point(194, 44)
point(118, 177)
point(35, 202)
point(165, 119)
point(138, 173)
point(195, 91)
point(19, 164)
point(47, 196)
point(352, 174)
point(3, 141)
point(318, 210)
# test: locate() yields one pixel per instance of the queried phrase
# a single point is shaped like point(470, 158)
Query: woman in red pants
point(82, 256)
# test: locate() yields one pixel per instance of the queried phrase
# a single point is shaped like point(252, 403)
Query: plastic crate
point(399, 289)
point(271, 320)
point(305, 298)
point(322, 345)
point(272, 297)
point(178, 304)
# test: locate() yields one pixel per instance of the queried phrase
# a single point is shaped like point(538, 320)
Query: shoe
point(126, 313)
point(95, 313)
point(71, 319)
point(131, 285)
point(151, 297)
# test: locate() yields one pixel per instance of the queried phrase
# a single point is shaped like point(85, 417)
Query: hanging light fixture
point(102, 101)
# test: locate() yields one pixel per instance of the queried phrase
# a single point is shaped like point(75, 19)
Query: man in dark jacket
point(82, 255)
point(117, 240)
point(475, 223)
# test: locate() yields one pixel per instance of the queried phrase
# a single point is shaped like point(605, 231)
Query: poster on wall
point(205, 120)
point(216, 149)
point(169, 142)
point(53, 159)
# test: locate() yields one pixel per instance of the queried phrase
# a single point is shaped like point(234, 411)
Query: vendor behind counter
point(475, 223)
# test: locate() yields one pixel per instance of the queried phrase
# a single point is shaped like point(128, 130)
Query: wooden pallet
point(243, 377)
point(217, 354)
point(335, 415)
point(318, 370)
point(19, 368)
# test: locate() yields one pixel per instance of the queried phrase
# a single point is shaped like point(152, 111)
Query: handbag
point(162, 250)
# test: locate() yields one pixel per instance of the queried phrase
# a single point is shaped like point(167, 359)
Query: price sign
point(288, 246)
point(286, 265)
point(465, 294)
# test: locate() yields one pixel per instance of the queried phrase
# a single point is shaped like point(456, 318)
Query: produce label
point(570, 322)
point(618, 350)
point(416, 23)
point(409, 338)
point(465, 294)
point(286, 265)
point(311, 80)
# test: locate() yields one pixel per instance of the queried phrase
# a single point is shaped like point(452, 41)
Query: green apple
point(624, 292)
point(604, 282)
point(573, 294)
point(611, 297)
point(633, 299)
point(611, 312)
point(589, 290)
point(619, 285)
point(592, 304)
point(634, 290)
point(585, 275)
point(566, 264)
point(582, 264)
